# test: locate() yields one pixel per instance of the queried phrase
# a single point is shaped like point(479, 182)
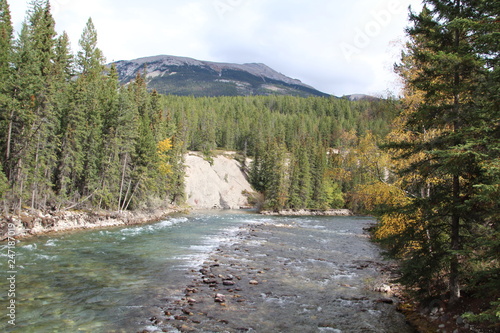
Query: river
point(112, 280)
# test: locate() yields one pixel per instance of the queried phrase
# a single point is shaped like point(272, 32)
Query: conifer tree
point(89, 104)
point(6, 58)
point(449, 72)
point(274, 175)
point(70, 132)
point(29, 150)
point(300, 186)
point(6, 36)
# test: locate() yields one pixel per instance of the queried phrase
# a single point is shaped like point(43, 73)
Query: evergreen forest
point(74, 138)
point(426, 165)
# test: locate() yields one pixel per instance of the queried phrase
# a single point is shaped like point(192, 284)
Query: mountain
point(187, 76)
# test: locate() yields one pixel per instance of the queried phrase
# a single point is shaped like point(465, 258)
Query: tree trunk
point(455, 245)
point(8, 144)
point(122, 183)
point(455, 218)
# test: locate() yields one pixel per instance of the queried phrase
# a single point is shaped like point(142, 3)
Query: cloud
point(306, 40)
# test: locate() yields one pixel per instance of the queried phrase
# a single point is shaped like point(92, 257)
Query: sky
point(339, 47)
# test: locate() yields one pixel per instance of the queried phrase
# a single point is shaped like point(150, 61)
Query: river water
point(111, 280)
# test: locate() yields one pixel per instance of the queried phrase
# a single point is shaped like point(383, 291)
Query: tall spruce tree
point(89, 105)
point(6, 36)
point(6, 54)
point(63, 89)
point(29, 149)
point(300, 191)
point(448, 71)
point(484, 143)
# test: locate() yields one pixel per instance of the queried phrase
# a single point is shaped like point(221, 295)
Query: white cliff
point(221, 184)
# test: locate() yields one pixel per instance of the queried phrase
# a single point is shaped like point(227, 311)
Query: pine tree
point(125, 136)
point(300, 191)
point(6, 57)
point(111, 130)
point(70, 127)
point(272, 175)
point(89, 104)
point(449, 73)
point(29, 149)
point(6, 36)
point(484, 144)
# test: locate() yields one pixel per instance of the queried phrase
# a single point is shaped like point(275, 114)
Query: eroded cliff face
point(221, 184)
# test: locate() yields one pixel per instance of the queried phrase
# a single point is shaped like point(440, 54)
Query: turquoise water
point(109, 280)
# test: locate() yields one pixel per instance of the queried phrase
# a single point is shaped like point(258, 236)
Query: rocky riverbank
point(31, 223)
point(288, 275)
point(308, 212)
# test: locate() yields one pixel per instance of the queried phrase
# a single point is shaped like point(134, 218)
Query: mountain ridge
point(188, 76)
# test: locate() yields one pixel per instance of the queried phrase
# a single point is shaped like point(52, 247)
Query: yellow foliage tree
point(163, 149)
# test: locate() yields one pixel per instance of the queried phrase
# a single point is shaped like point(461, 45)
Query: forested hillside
point(72, 137)
point(307, 152)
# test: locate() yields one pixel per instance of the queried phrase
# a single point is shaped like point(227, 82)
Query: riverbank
point(288, 275)
point(33, 223)
point(308, 212)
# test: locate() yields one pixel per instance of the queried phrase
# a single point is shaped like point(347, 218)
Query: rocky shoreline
point(266, 280)
point(273, 280)
point(308, 212)
point(28, 224)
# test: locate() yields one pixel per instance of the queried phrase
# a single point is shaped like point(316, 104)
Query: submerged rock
point(219, 298)
point(319, 289)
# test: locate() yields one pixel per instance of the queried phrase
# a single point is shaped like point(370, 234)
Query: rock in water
point(220, 298)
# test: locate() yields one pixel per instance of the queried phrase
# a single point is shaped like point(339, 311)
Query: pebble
point(386, 301)
point(186, 311)
point(191, 290)
point(220, 298)
point(210, 281)
point(185, 328)
point(253, 282)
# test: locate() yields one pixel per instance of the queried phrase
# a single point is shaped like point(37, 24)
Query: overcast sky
point(339, 47)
